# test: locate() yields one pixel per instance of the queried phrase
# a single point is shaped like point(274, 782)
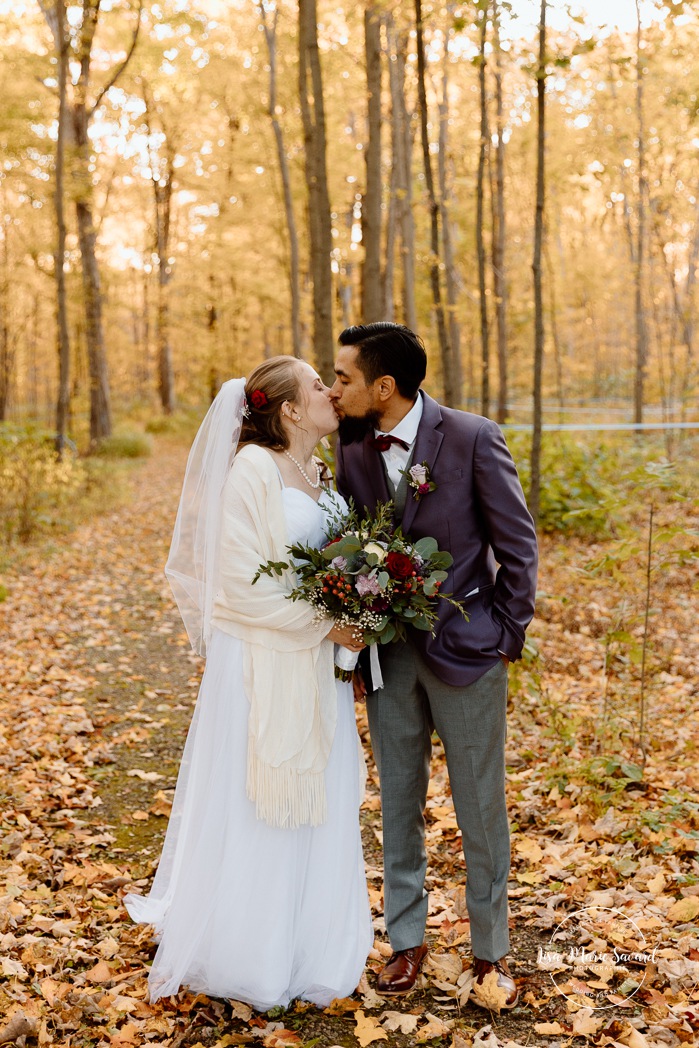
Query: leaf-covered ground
point(98, 689)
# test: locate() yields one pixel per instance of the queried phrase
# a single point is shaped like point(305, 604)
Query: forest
point(189, 187)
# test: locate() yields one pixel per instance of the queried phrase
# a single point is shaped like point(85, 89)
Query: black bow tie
point(384, 441)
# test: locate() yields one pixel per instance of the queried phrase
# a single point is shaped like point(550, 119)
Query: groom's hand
point(358, 686)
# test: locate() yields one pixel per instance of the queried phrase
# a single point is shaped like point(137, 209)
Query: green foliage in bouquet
point(369, 575)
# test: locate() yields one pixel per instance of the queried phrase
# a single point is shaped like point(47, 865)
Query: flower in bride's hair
point(246, 408)
point(258, 398)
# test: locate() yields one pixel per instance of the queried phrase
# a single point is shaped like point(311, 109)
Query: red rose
point(399, 566)
point(258, 398)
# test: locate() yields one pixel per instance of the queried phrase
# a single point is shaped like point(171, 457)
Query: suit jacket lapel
point(427, 444)
point(374, 470)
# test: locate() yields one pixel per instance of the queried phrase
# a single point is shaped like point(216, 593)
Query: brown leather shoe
point(505, 980)
point(400, 973)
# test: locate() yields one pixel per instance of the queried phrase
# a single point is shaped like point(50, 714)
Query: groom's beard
point(354, 430)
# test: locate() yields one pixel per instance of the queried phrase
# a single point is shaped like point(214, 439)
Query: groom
point(455, 682)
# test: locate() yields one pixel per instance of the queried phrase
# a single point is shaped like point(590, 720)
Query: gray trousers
point(471, 722)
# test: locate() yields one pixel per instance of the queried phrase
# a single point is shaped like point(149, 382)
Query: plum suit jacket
point(478, 513)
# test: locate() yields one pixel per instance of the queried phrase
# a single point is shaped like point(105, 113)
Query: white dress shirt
point(396, 457)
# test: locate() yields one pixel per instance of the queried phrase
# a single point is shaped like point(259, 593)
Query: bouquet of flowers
point(369, 576)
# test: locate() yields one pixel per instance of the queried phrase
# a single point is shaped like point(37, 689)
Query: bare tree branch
point(120, 69)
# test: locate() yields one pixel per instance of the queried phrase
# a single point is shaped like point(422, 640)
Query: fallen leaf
point(436, 1027)
point(101, 973)
point(342, 1005)
point(146, 776)
point(548, 1029)
point(393, 1021)
point(529, 849)
point(240, 1010)
point(584, 1023)
point(281, 1039)
point(684, 910)
point(368, 1029)
point(485, 1038)
point(489, 994)
point(633, 1038)
point(19, 1025)
point(447, 967)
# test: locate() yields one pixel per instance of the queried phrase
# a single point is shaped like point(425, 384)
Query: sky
point(612, 13)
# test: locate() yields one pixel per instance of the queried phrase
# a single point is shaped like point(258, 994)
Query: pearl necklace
point(303, 473)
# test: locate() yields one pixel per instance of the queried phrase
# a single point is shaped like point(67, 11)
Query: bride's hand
point(348, 636)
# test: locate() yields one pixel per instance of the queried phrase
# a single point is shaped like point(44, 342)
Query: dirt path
point(99, 687)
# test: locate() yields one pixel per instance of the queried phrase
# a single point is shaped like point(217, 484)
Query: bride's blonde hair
point(268, 386)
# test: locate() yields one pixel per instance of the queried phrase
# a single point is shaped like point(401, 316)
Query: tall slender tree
point(451, 393)
point(56, 16)
point(401, 170)
point(372, 298)
point(641, 236)
point(270, 31)
point(161, 161)
point(451, 274)
point(499, 223)
point(81, 111)
point(319, 219)
point(535, 460)
point(483, 158)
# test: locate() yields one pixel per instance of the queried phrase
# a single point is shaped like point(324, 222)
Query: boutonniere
point(419, 480)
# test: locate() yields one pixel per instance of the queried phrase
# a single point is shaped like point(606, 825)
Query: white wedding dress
point(242, 909)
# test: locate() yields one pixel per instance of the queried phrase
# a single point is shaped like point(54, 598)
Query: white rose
point(419, 474)
point(378, 551)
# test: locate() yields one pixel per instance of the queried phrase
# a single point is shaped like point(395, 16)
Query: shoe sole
point(396, 993)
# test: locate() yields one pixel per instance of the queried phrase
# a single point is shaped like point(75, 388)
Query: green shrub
point(182, 423)
point(35, 486)
point(124, 445)
point(578, 483)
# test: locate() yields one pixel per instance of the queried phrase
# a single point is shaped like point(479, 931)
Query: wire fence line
point(595, 427)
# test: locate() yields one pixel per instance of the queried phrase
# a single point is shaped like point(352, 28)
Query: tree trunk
point(499, 226)
point(372, 304)
point(480, 210)
point(639, 275)
point(401, 170)
point(63, 336)
point(320, 228)
point(100, 406)
point(443, 336)
point(294, 267)
point(161, 172)
point(163, 201)
point(535, 470)
point(79, 116)
point(6, 348)
point(451, 273)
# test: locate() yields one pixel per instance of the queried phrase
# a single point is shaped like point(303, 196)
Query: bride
point(260, 894)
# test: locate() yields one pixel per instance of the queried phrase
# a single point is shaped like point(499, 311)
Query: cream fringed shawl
point(288, 664)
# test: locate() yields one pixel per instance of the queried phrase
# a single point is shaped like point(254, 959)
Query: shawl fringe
point(283, 796)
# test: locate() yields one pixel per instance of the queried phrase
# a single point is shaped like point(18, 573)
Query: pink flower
point(423, 489)
point(367, 584)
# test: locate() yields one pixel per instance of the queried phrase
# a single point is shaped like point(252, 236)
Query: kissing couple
point(260, 894)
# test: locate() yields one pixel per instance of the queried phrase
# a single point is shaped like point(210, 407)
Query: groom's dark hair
point(388, 349)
